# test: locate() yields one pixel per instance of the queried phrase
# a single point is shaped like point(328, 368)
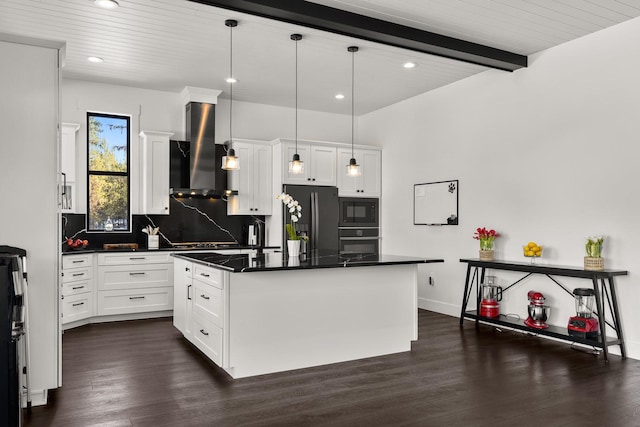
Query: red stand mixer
point(584, 324)
point(538, 312)
point(490, 297)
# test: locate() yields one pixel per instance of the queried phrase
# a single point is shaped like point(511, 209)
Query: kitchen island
point(256, 314)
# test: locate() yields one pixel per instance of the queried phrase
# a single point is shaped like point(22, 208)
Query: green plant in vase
point(593, 248)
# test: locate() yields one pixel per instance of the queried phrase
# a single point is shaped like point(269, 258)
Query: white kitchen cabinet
point(77, 286)
point(182, 296)
point(68, 152)
point(134, 283)
point(319, 164)
point(155, 172)
point(253, 181)
point(199, 311)
point(369, 182)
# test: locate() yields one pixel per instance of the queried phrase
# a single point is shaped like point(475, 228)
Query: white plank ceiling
point(168, 44)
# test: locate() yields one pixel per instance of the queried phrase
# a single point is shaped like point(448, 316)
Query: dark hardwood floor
point(143, 373)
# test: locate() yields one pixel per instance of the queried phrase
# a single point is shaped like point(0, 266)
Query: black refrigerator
point(319, 221)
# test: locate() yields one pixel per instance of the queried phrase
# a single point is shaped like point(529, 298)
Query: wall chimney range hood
point(204, 178)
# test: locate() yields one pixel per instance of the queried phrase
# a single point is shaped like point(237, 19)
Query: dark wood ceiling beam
point(351, 24)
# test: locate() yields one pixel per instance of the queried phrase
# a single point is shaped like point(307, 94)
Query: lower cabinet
point(138, 283)
point(199, 311)
point(77, 285)
point(132, 285)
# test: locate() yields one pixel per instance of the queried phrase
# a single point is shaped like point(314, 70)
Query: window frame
point(126, 174)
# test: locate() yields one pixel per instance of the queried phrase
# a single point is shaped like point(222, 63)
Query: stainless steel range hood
point(206, 177)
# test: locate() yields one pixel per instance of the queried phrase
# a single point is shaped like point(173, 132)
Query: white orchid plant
point(295, 213)
point(594, 246)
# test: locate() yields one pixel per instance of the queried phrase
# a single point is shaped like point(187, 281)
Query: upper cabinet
point(155, 172)
point(319, 164)
point(68, 150)
point(369, 181)
point(253, 181)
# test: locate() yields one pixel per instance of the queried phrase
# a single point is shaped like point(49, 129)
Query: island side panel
point(282, 320)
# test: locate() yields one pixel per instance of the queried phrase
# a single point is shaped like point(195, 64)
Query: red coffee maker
point(490, 296)
point(584, 324)
point(538, 312)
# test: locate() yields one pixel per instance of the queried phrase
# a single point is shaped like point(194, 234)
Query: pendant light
point(296, 166)
point(353, 168)
point(230, 161)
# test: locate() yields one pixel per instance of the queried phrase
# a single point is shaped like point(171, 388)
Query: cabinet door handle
point(205, 275)
point(77, 274)
point(142, 297)
point(77, 261)
point(77, 287)
point(77, 304)
point(189, 293)
point(136, 258)
point(203, 332)
point(203, 296)
point(137, 273)
point(187, 269)
point(64, 183)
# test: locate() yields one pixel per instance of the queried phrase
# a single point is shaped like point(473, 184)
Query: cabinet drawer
point(212, 276)
point(76, 307)
point(135, 276)
point(75, 261)
point(208, 338)
point(76, 274)
point(129, 258)
point(134, 301)
point(76, 287)
point(207, 301)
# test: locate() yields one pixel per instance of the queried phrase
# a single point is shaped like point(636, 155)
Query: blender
point(584, 324)
point(490, 295)
point(538, 312)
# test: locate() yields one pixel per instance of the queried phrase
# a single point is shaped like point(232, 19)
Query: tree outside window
point(108, 207)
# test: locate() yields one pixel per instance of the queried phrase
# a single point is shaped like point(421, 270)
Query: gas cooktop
point(204, 245)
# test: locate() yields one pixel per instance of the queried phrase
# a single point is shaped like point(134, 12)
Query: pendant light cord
point(230, 83)
point(296, 127)
point(353, 61)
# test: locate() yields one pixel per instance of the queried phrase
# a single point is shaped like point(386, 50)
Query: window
point(108, 207)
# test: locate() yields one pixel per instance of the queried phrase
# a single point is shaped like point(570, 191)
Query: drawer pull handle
point(77, 304)
point(77, 287)
point(137, 273)
point(142, 297)
point(204, 275)
point(78, 274)
point(203, 296)
point(77, 261)
point(136, 258)
point(203, 332)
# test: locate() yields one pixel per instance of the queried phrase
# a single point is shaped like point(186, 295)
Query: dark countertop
point(279, 261)
point(67, 251)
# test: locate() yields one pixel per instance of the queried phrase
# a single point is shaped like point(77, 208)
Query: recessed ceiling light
point(95, 59)
point(339, 96)
point(107, 4)
point(409, 64)
point(231, 80)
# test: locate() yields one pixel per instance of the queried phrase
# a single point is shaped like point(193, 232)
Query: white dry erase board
point(435, 203)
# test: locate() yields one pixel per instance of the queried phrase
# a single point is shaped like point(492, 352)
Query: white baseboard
point(439, 307)
point(117, 318)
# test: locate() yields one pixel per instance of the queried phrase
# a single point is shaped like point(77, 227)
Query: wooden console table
point(603, 286)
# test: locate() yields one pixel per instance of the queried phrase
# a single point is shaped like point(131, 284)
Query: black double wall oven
point(359, 226)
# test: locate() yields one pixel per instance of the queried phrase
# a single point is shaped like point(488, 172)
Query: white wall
point(28, 166)
point(547, 153)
